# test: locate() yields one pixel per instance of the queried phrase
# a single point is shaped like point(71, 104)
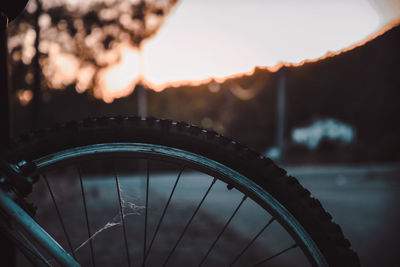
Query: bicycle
point(129, 152)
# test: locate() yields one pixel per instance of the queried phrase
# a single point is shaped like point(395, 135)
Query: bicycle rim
point(193, 162)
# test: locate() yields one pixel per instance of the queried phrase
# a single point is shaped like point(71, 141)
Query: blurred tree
point(68, 42)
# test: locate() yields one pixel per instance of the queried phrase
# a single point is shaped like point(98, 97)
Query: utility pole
point(4, 86)
point(142, 101)
point(142, 91)
point(142, 107)
point(37, 70)
point(280, 111)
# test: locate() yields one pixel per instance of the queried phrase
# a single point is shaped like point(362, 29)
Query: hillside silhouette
point(360, 87)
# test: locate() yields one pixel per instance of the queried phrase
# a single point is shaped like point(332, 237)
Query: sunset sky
point(203, 39)
point(215, 39)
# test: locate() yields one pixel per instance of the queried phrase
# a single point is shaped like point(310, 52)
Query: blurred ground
point(364, 201)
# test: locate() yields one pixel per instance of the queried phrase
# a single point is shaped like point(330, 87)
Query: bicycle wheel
point(174, 195)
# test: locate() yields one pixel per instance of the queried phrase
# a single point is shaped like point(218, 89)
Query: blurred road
point(364, 201)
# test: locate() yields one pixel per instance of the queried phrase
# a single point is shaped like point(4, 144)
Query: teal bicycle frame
point(8, 205)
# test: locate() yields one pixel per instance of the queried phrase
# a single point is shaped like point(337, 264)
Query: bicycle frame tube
point(28, 224)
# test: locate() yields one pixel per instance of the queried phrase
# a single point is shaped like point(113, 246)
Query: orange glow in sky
point(119, 80)
point(215, 39)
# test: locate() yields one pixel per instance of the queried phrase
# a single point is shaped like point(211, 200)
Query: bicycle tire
point(306, 210)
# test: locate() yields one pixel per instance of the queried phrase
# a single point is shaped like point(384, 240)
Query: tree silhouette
point(54, 44)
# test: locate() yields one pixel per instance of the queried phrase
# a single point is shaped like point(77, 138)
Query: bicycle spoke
point(145, 215)
point(276, 255)
point(59, 216)
point(222, 231)
point(121, 212)
point(251, 242)
point(189, 222)
point(164, 211)
point(86, 217)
